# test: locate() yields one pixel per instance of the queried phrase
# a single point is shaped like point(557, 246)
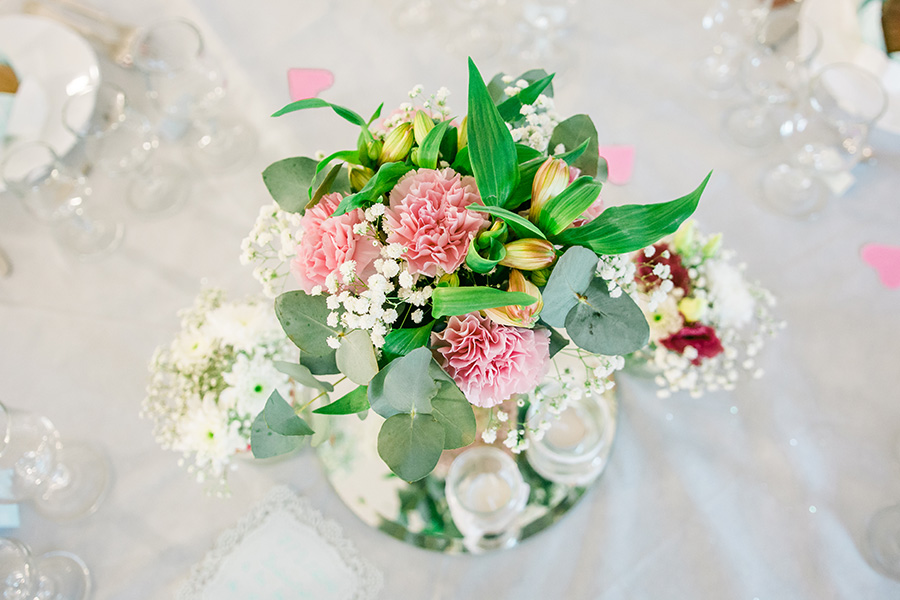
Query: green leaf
point(277, 429)
point(320, 365)
point(289, 180)
point(510, 109)
point(602, 324)
point(325, 186)
point(356, 357)
point(482, 261)
point(572, 155)
point(376, 114)
point(559, 212)
point(344, 113)
point(401, 342)
point(624, 229)
point(304, 320)
point(404, 386)
point(382, 182)
point(527, 171)
point(571, 276)
point(350, 156)
point(430, 148)
point(522, 227)
point(462, 164)
point(497, 86)
point(449, 145)
point(350, 403)
point(411, 445)
point(571, 133)
point(452, 411)
point(491, 148)
point(448, 301)
point(302, 375)
point(557, 341)
point(526, 153)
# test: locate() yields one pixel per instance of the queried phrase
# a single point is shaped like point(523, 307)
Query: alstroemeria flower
point(551, 179)
point(529, 254)
point(515, 315)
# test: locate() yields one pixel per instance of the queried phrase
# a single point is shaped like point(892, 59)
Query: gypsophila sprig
point(208, 384)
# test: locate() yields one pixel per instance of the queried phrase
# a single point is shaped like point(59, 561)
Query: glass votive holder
point(486, 494)
point(574, 448)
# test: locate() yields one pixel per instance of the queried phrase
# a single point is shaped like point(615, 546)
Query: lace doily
point(283, 549)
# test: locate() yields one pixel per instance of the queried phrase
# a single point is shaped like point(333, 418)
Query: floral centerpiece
point(438, 259)
point(707, 321)
point(212, 380)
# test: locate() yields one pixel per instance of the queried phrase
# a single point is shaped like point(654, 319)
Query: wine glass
point(825, 138)
point(59, 196)
point(883, 536)
point(120, 141)
point(486, 495)
point(50, 576)
point(188, 87)
point(730, 25)
point(64, 482)
point(775, 72)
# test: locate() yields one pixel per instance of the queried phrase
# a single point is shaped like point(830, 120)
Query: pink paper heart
point(308, 83)
point(620, 160)
point(885, 260)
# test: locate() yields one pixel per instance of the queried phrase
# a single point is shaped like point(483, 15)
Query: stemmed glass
point(64, 482)
point(775, 72)
point(59, 196)
point(188, 87)
point(51, 576)
point(730, 24)
point(486, 495)
point(825, 138)
point(120, 142)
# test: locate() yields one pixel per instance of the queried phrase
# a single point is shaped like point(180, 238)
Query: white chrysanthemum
point(192, 346)
point(732, 304)
point(206, 431)
point(251, 382)
point(664, 319)
point(243, 326)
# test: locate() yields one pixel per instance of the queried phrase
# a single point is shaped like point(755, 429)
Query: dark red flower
point(645, 266)
point(702, 338)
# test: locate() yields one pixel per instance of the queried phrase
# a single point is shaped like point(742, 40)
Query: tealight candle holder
point(486, 494)
point(575, 448)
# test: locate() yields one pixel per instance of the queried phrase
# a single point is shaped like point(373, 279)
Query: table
point(760, 493)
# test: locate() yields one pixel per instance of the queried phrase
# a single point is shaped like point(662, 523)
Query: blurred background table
point(760, 493)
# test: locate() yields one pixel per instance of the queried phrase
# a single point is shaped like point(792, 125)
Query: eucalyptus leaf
point(288, 181)
point(411, 445)
point(430, 148)
point(403, 386)
point(277, 429)
point(344, 113)
point(571, 276)
point(452, 410)
point(557, 341)
point(492, 151)
point(356, 357)
point(304, 320)
point(302, 375)
point(624, 229)
point(522, 227)
point(265, 443)
point(602, 324)
point(355, 401)
point(401, 342)
point(571, 133)
point(320, 365)
point(448, 301)
point(560, 211)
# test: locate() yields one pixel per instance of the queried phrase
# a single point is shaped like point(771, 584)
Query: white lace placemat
point(284, 549)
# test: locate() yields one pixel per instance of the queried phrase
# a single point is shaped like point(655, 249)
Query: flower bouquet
point(438, 258)
point(210, 382)
point(707, 322)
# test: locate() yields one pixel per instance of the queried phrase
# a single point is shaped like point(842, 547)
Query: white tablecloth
point(760, 493)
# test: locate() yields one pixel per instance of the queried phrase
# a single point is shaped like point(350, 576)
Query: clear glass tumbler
point(729, 25)
point(51, 576)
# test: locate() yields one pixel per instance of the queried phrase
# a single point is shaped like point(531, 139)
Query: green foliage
point(573, 132)
point(356, 357)
point(355, 401)
point(320, 365)
point(447, 301)
point(483, 260)
point(522, 227)
point(557, 342)
point(304, 320)
point(289, 181)
point(602, 324)
point(559, 212)
point(496, 87)
point(344, 113)
point(411, 445)
point(277, 429)
point(573, 273)
point(383, 182)
point(623, 229)
point(491, 148)
point(510, 109)
point(430, 148)
point(404, 386)
point(400, 342)
point(302, 375)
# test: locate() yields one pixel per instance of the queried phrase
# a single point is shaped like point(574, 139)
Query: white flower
point(664, 319)
point(417, 316)
point(251, 382)
point(206, 431)
point(732, 304)
point(243, 326)
point(191, 347)
point(406, 280)
point(333, 342)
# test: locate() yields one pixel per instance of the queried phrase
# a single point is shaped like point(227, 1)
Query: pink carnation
point(491, 362)
point(328, 242)
point(427, 215)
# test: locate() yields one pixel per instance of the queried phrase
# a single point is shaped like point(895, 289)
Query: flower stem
point(305, 406)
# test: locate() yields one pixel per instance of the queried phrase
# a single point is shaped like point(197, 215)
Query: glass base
point(63, 575)
point(417, 513)
point(750, 126)
point(794, 192)
point(159, 190)
point(87, 238)
point(223, 144)
point(884, 540)
point(88, 477)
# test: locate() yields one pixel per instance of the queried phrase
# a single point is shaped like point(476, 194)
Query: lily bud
point(529, 254)
point(397, 144)
point(422, 124)
point(515, 315)
point(540, 277)
point(551, 179)
point(373, 149)
point(414, 156)
point(359, 176)
point(448, 280)
point(462, 138)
